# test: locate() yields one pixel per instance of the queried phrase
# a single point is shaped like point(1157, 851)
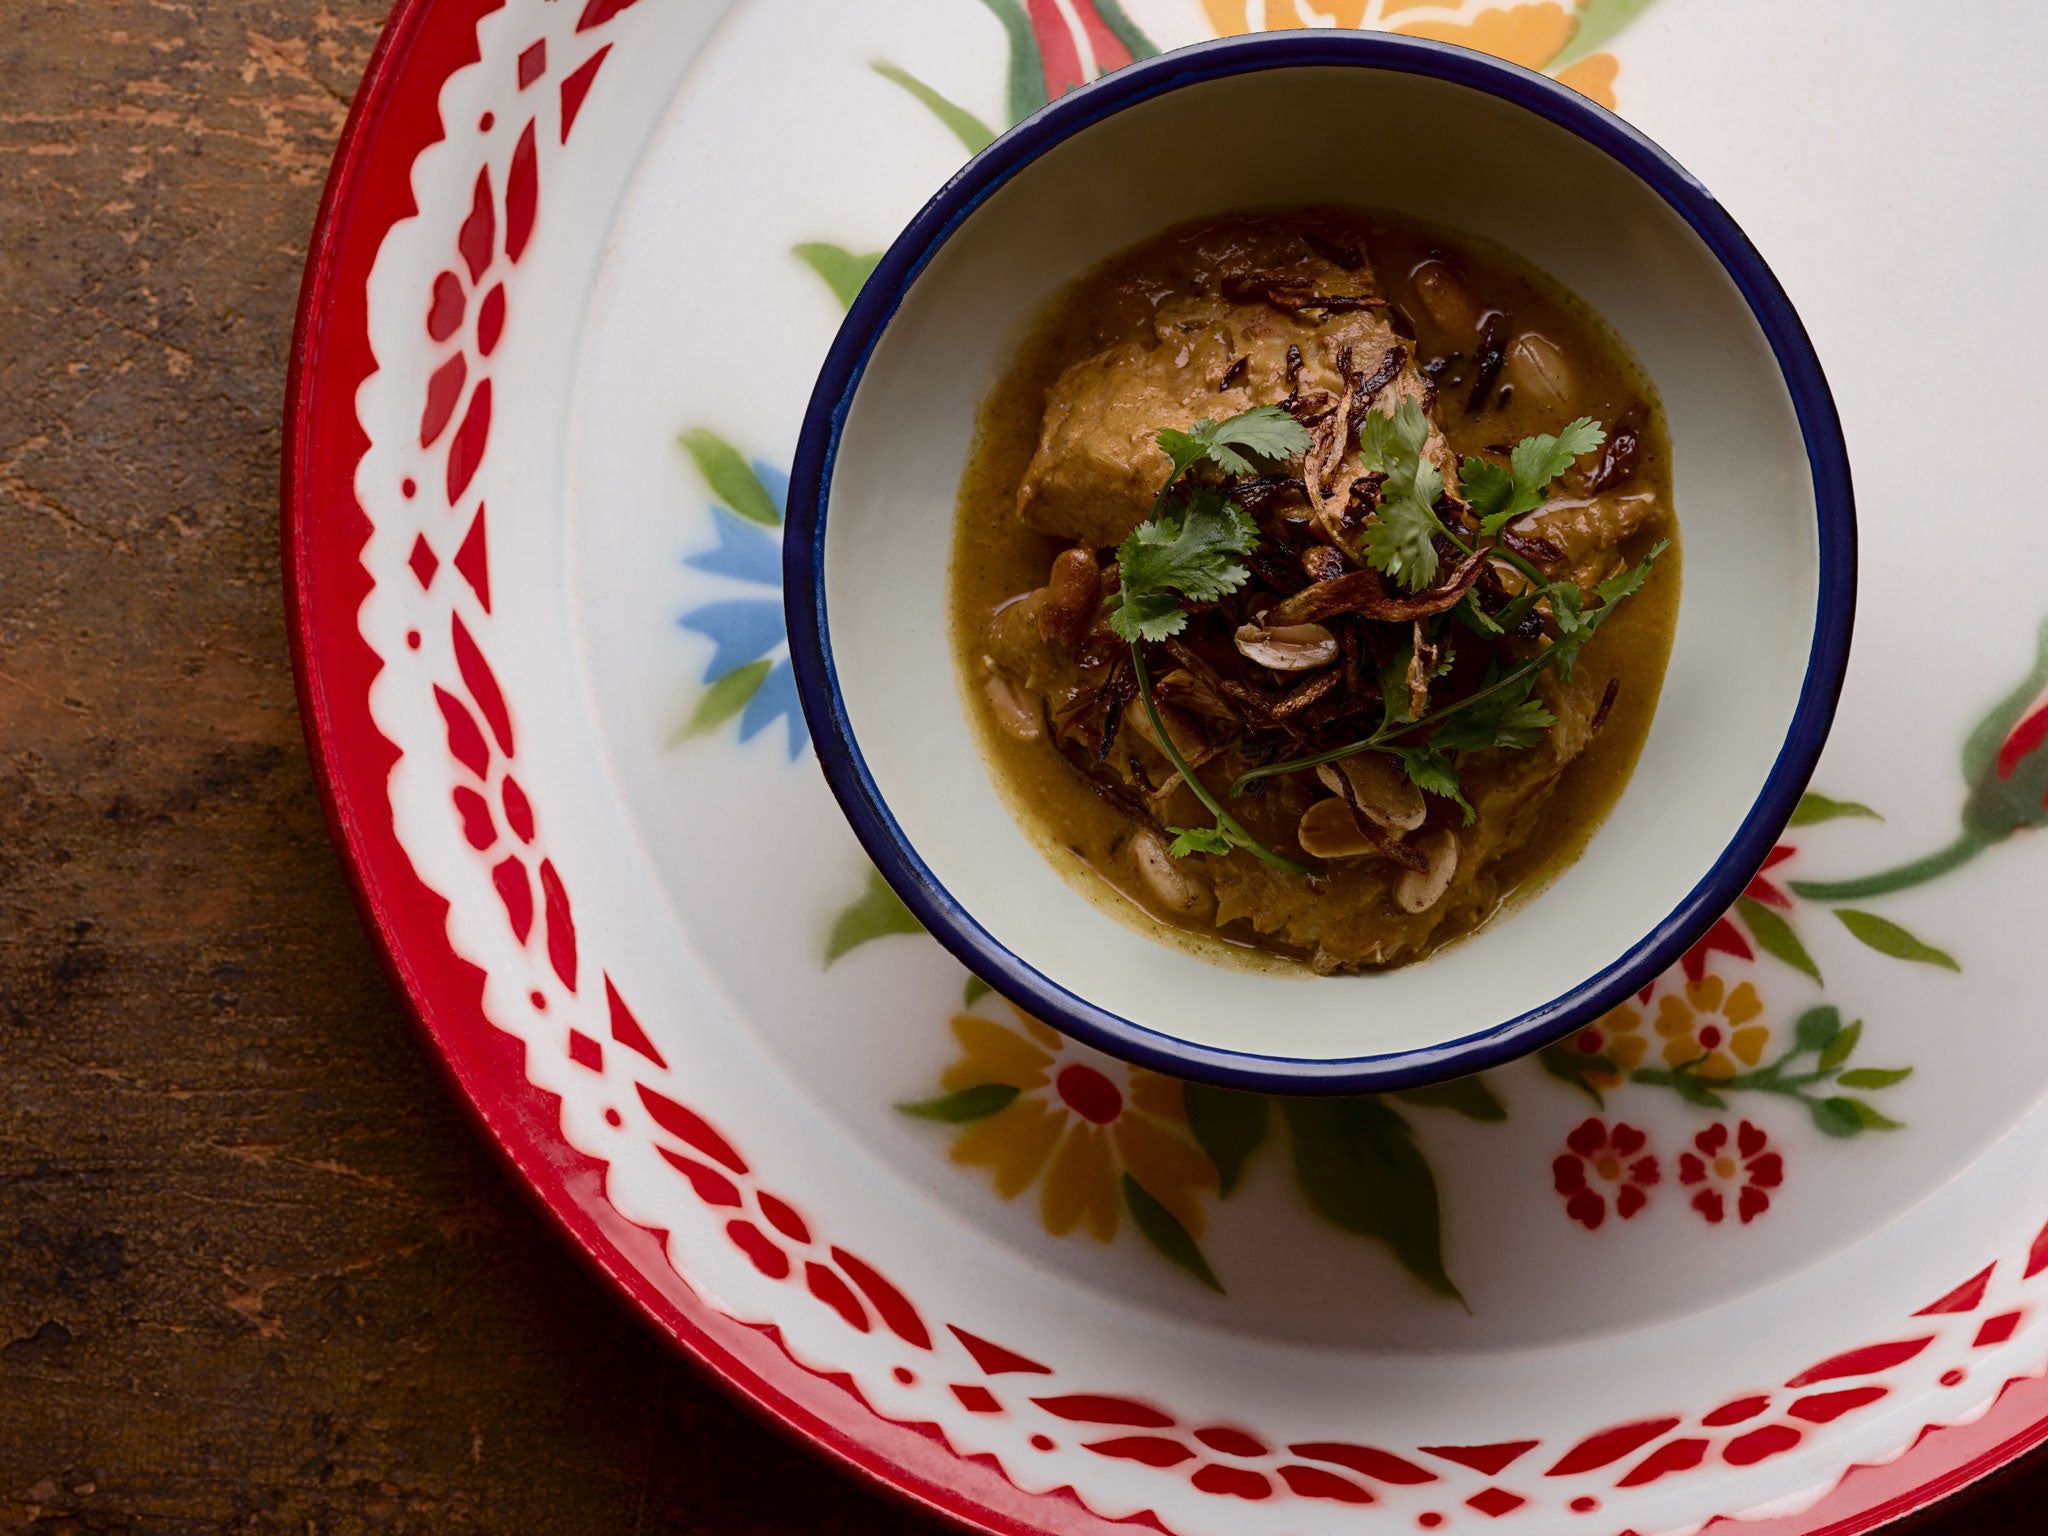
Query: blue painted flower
point(749, 673)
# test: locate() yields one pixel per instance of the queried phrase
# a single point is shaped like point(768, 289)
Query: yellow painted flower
point(1529, 35)
point(1232, 17)
point(1710, 1025)
point(1528, 32)
point(1077, 1124)
point(1618, 1035)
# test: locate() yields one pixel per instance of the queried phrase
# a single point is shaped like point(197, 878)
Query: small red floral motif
point(1749, 1170)
point(1769, 891)
point(1598, 1160)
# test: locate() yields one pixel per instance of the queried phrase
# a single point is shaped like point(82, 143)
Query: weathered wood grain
point(256, 1275)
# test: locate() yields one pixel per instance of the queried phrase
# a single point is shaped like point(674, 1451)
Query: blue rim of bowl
point(809, 634)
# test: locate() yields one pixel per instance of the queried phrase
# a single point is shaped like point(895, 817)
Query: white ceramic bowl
point(1761, 483)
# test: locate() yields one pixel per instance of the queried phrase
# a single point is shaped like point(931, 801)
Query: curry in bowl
point(1314, 577)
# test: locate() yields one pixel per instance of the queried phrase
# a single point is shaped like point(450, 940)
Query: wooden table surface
point(256, 1273)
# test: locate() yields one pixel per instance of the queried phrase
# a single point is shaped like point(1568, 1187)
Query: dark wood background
point(256, 1274)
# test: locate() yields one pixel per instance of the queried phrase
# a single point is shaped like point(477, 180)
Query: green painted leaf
point(967, 128)
point(843, 271)
point(1162, 1229)
point(1469, 1096)
point(976, 1103)
point(1888, 938)
point(1869, 1117)
point(1599, 20)
point(879, 913)
point(1818, 1028)
point(976, 990)
point(1817, 808)
point(731, 480)
point(1694, 1091)
point(1836, 1117)
point(1227, 1125)
point(1980, 751)
point(1127, 31)
point(1360, 1170)
point(1571, 1066)
point(722, 700)
point(1775, 936)
point(1027, 72)
point(1874, 1077)
point(1842, 1047)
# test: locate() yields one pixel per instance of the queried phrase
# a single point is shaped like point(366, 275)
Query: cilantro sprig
point(1191, 551)
point(1401, 540)
point(1500, 496)
point(1228, 832)
point(1265, 431)
point(1500, 712)
point(1191, 547)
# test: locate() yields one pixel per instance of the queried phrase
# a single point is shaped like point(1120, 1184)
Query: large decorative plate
point(1766, 1245)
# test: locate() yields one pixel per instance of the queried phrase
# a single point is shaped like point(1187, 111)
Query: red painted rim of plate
point(393, 118)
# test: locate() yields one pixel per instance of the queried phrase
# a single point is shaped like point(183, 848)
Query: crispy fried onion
point(1365, 592)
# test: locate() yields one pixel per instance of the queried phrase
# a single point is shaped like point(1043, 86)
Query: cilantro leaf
point(1500, 496)
point(1188, 551)
point(1477, 619)
point(1522, 724)
point(1392, 442)
point(1432, 772)
point(1566, 608)
point(1575, 626)
point(1400, 541)
point(1394, 683)
point(1151, 616)
point(1187, 840)
point(1510, 719)
point(1628, 582)
point(1487, 488)
point(1267, 431)
point(1185, 449)
point(1539, 460)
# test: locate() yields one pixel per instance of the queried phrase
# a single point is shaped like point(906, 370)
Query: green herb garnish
point(1228, 830)
point(1188, 550)
point(1500, 712)
point(1500, 496)
point(1401, 540)
point(1193, 550)
point(1266, 430)
point(1187, 840)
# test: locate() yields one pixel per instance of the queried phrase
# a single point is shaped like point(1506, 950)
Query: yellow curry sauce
point(1207, 320)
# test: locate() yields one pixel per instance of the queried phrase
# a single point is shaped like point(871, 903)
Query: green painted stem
point(1954, 856)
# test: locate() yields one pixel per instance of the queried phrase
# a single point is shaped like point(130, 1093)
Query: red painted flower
point(2011, 785)
point(1769, 891)
point(1599, 1161)
point(1749, 1170)
point(1726, 936)
point(1082, 41)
